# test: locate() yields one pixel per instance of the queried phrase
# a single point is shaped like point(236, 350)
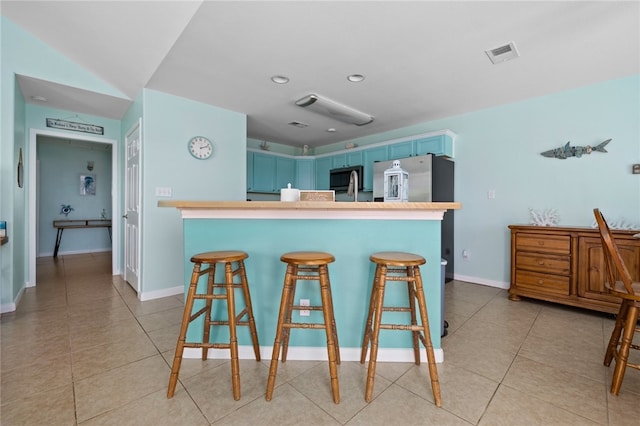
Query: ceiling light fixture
point(355, 78)
point(331, 130)
point(39, 98)
point(333, 109)
point(280, 79)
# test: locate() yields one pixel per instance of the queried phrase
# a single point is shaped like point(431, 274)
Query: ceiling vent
point(333, 109)
point(503, 53)
point(298, 124)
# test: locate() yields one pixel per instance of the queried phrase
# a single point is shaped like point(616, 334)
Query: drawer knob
point(540, 262)
point(540, 243)
point(540, 282)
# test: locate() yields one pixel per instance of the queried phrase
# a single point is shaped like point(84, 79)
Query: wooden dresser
point(566, 265)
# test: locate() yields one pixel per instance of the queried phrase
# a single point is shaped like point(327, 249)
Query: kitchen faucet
point(353, 185)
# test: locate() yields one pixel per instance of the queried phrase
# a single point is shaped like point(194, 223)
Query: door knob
point(126, 216)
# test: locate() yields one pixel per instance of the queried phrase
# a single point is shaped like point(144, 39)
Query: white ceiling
point(423, 60)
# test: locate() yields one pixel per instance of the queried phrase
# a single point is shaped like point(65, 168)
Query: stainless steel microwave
point(339, 178)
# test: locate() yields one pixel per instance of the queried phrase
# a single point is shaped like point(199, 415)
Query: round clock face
point(200, 147)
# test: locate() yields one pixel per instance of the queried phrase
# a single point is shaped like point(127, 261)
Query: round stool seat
point(397, 258)
point(308, 258)
point(219, 256)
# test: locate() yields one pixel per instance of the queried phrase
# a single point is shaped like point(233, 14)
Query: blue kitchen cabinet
point(264, 176)
point(323, 166)
point(371, 156)
point(401, 150)
point(339, 161)
point(249, 171)
point(347, 159)
point(285, 172)
point(438, 145)
point(305, 176)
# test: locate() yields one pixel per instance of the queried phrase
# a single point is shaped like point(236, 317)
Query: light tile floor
point(81, 349)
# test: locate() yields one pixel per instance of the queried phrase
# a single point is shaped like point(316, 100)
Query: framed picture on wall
point(87, 184)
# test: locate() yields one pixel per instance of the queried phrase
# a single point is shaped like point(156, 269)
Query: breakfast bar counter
point(348, 230)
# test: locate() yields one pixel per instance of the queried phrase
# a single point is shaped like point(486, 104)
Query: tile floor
point(81, 349)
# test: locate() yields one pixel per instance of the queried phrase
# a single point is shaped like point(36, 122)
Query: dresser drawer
point(544, 283)
point(549, 263)
point(544, 243)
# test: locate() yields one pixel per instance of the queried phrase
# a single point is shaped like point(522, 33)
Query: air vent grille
point(503, 53)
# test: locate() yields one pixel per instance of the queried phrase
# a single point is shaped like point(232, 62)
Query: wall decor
point(87, 184)
point(65, 209)
point(548, 217)
point(567, 151)
point(76, 127)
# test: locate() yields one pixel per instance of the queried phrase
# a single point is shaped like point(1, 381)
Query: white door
point(133, 142)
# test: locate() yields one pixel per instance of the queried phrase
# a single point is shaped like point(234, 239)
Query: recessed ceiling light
point(355, 78)
point(280, 79)
point(331, 130)
point(39, 98)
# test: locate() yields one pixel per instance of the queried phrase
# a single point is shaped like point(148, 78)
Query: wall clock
point(200, 147)
point(20, 170)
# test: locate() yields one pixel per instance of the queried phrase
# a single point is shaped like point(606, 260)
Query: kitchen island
point(350, 231)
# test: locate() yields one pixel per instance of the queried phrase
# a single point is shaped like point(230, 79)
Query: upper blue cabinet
point(270, 172)
point(438, 144)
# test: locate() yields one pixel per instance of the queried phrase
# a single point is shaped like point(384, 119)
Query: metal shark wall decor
point(567, 151)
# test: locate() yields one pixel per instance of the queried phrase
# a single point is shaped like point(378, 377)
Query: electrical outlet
point(162, 191)
point(465, 255)
point(305, 312)
point(491, 194)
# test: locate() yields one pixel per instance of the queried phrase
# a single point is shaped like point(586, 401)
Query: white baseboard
point(301, 353)
point(476, 280)
point(157, 294)
point(10, 307)
point(71, 252)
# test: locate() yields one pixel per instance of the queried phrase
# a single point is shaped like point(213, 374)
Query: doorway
point(33, 196)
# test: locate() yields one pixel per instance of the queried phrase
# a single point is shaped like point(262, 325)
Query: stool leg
point(623, 353)
point(372, 303)
point(247, 301)
point(334, 328)
point(273, 369)
point(207, 318)
point(379, 299)
point(328, 321)
point(411, 288)
point(233, 338)
point(615, 334)
point(188, 306)
point(286, 332)
point(431, 359)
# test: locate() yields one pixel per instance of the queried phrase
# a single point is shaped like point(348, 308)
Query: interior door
point(133, 142)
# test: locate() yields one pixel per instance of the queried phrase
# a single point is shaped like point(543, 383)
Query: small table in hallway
point(61, 225)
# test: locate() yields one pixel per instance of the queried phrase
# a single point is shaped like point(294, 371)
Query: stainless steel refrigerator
point(431, 179)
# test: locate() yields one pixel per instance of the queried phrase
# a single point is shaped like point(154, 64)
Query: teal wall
point(169, 122)
point(61, 164)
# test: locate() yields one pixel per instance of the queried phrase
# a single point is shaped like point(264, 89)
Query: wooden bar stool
point(398, 266)
point(211, 259)
point(306, 266)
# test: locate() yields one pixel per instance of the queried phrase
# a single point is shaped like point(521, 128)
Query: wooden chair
point(227, 294)
point(619, 283)
point(398, 266)
point(306, 266)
